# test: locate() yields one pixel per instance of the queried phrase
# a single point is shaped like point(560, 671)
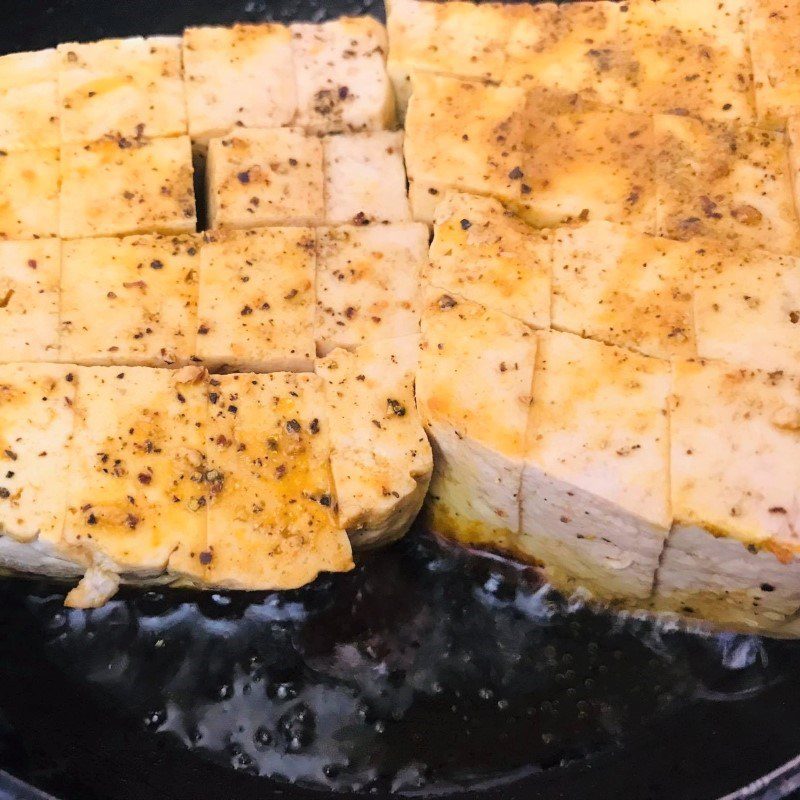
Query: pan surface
point(425, 671)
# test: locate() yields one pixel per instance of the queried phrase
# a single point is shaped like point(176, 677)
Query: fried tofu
point(732, 553)
point(29, 297)
point(123, 186)
point(380, 455)
point(242, 76)
point(29, 112)
point(130, 301)
point(29, 201)
point(265, 177)
point(367, 283)
point(727, 182)
point(365, 179)
point(256, 300)
point(342, 84)
point(473, 393)
point(482, 253)
point(126, 88)
point(624, 288)
point(595, 487)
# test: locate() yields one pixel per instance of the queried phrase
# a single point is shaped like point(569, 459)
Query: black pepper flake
point(293, 426)
point(794, 316)
point(144, 478)
point(396, 407)
point(767, 587)
point(10, 454)
point(465, 224)
point(203, 330)
point(70, 377)
point(233, 409)
point(205, 557)
point(343, 92)
point(515, 174)
point(91, 520)
point(525, 189)
point(243, 177)
point(325, 500)
point(445, 302)
point(4, 493)
point(246, 311)
point(314, 425)
point(181, 398)
point(156, 264)
point(213, 397)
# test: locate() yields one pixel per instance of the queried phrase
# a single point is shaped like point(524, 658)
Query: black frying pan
point(426, 670)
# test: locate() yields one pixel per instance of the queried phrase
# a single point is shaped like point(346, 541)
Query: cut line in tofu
point(29, 297)
point(265, 177)
point(380, 456)
point(129, 301)
point(123, 186)
point(121, 88)
point(595, 507)
point(29, 199)
point(473, 393)
point(256, 300)
point(367, 283)
point(342, 84)
point(483, 253)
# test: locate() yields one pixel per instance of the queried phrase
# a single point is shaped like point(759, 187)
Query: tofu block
point(137, 489)
point(380, 456)
point(473, 393)
point(486, 255)
point(466, 137)
point(773, 26)
point(265, 177)
point(689, 58)
point(732, 554)
point(595, 487)
point(242, 76)
point(367, 283)
point(29, 297)
point(726, 182)
point(271, 521)
point(342, 84)
point(365, 179)
point(119, 187)
point(121, 88)
point(256, 300)
point(29, 111)
point(36, 423)
point(130, 301)
point(588, 166)
point(624, 288)
point(747, 309)
point(29, 203)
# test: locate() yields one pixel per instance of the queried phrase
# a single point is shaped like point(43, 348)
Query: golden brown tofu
point(29, 194)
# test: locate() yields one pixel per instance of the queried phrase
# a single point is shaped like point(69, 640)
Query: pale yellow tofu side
point(121, 88)
point(256, 300)
point(130, 301)
point(137, 489)
point(485, 254)
point(242, 76)
point(29, 298)
point(726, 182)
point(118, 187)
point(265, 177)
point(270, 515)
point(29, 200)
point(624, 288)
point(367, 283)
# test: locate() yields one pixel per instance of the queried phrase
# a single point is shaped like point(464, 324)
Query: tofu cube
point(365, 179)
point(342, 84)
point(121, 88)
point(29, 109)
point(29, 298)
point(270, 515)
point(726, 182)
point(473, 392)
point(367, 283)
point(595, 487)
point(256, 300)
point(484, 254)
point(136, 494)
point(29, 194)
point(130, 301)
point(242, 76)
point(624, 288)
point(265, 177)
point(119, 187)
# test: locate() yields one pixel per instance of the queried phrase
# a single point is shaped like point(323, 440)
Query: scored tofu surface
point(486, 255)
point(380, 457)
point(367, 283)
point(29, 199)
point(121, 88)
point(256, 300)
point(130, 301)
point(30, 273)
point(121, 186)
